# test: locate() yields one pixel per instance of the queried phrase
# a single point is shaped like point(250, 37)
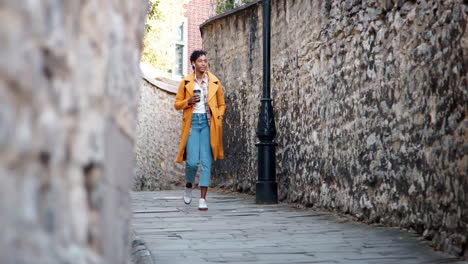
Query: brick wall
point(197, 12)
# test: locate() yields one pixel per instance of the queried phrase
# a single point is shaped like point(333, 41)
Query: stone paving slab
point(236, 230)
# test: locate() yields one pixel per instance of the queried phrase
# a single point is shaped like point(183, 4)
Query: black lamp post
point(267, 188)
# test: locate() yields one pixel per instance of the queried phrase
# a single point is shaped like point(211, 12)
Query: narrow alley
point(236, 230)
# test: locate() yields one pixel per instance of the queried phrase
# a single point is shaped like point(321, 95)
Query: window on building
point(180, 33)
point(179, 60)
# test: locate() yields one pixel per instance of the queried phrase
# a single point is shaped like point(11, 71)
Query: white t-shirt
point(200, 106)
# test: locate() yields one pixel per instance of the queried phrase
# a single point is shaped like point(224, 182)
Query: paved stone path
point(236, 230)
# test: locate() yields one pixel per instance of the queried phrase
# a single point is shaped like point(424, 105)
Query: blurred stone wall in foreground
point(69, 82)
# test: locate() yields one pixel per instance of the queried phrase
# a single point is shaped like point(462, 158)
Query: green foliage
point(153, 14)
point(153, 11)
point(164, 16)
point(226, 5)
point(223, 6)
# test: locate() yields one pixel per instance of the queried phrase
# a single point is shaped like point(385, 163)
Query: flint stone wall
point(158, 137)
point(370, 107)
point(69, 82)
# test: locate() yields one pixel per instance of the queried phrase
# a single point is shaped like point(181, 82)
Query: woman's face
point(201, 64)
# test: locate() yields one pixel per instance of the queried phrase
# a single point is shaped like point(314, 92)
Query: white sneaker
point(188, 195)
point(202, 205)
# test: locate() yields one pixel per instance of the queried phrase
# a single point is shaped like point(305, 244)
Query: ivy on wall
point(226, 5)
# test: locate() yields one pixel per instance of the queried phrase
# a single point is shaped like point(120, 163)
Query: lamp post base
point(266, 193)
point(267, 188)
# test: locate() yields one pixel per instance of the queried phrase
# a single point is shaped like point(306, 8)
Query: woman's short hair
point(196, 54)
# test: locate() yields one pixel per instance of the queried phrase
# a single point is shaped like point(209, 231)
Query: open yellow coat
point(217, 106)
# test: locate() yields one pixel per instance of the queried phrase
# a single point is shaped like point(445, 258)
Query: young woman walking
point(201, 98)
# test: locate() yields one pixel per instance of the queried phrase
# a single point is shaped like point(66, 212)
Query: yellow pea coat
point(217, 107)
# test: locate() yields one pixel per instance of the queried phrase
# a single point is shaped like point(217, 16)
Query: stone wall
point(370, 107)
point(158, 137)
point(68, 98)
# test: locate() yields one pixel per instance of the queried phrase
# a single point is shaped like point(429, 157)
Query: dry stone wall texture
point(370, 107)
point(159, 127)
point(69, 83)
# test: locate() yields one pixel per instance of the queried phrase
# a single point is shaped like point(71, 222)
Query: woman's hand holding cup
point(194, 99)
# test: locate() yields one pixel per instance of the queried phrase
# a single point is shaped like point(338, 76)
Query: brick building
point(188, 34)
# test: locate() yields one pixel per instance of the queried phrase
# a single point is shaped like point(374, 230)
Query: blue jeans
point(199, 151)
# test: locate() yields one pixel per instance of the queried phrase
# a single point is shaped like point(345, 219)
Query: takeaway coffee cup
point(197, 92)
